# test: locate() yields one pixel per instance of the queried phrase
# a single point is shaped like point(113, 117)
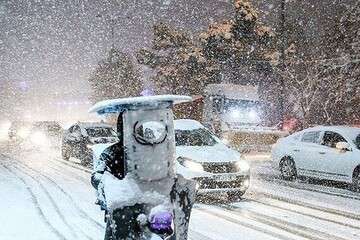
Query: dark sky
point(49, 47)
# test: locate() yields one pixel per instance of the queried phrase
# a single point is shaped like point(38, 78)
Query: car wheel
point(288, 169)
point(356, 180)
point(65, 153)
point(86, 160)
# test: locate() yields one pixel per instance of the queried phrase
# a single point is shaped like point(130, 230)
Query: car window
point(100, 132)
point(330, 139)
point(76, 131)
point(311, 137)
point(71, 129)
point(357, 141)
point(197, 137)
point(296, 136)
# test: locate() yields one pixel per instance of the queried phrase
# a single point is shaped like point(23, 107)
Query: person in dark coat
point(112, 159)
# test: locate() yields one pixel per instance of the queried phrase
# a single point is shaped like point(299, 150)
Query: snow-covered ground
point(43, 198)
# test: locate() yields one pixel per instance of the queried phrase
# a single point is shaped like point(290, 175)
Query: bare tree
point(318, 94)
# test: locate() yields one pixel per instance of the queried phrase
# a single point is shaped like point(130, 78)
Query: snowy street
point(180, 119)
point(44, 198)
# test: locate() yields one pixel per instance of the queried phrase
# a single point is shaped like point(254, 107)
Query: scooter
point(133, 223)
point(151, 201)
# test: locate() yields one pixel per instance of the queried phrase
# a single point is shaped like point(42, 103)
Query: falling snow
point(299, 63)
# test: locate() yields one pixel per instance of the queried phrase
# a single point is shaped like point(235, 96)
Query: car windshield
point(357, 141)
point(96, 132)
point(241, 104)
point(197, 137)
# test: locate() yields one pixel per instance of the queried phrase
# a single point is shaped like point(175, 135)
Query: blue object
point(161, 223)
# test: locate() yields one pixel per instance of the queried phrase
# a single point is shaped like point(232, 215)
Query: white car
point(203, 157)
point(325, 152)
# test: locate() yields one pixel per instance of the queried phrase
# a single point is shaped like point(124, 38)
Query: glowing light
point(225, 141)
point(235, 113)
point(147, 92)
point(23, 132)
point(40, 139)
point(242, 166)
point(246, 183)
point(4, 128)
point(253, 115)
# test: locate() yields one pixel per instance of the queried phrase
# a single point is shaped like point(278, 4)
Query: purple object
point(161, 223)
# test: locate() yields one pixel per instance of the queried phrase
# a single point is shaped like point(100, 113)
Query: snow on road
point(43, 198)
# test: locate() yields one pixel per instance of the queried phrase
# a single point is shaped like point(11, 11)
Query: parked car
point(324, 152)
point(44, 134)
point(19, 130)
point(203, 157)
point(80, 140)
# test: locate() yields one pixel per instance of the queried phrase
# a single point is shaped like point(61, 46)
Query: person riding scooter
point(136, 182)
point(111, 159)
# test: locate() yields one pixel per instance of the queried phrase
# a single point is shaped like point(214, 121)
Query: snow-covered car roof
point(187, 124)
point(94, 124)
point(343, 130)
point(116, 105)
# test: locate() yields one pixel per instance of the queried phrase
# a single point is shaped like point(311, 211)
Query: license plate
point(225, 178)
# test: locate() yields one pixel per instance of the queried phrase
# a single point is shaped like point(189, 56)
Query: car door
point(72, 140)
point(305, 152)
point(334, 163)
point(78, 144)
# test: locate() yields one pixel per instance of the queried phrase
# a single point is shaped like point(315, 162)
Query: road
point(46, 198)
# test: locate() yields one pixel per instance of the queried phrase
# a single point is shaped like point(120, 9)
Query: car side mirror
point(343, 146)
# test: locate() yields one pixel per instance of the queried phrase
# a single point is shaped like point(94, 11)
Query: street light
point(282, 57)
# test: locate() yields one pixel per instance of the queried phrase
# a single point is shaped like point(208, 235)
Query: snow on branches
point(115, 77)
point(185, 64)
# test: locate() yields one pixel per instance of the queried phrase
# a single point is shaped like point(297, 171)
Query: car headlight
point(39, 138)
point(253, 115)
point(242, 166)
point(4, 126)
point(188, 163)
point(225, 141)
point(23, 132)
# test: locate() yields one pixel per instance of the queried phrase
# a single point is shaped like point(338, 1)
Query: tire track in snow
point(52, 201)
point(73, 175)
point(73, 165)
point(35, 201)
point(246, 225)
point(307, 187)
point(290, 227)
point(310, 189)
point(306, 214)
point(195, 235)
point(54, 183)
point(82, 212)
point(75, 170)
point(311, 206)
